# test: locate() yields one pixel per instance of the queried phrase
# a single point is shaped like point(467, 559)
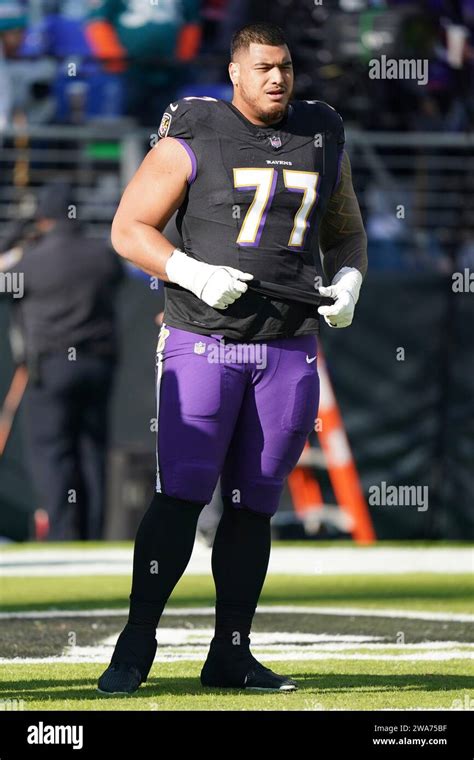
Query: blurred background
point(82, 89)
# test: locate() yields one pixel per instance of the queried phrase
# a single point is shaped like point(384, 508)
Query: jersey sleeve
point(340, 138)
point(175, 122)
point(322, 113)
point(342, 237)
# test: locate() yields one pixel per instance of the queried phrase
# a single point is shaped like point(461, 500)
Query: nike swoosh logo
point(174, 108)
point(309, 361)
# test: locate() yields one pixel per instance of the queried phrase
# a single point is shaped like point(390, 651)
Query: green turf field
point(175, 686)
point(361, 642)
point(424, 591)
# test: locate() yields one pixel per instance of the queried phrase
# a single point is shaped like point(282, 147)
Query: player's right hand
point(224, 286)
point(218, 286)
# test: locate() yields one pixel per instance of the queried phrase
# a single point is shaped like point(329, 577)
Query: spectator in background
point(148, 40)
point(68, 317)
point(25, 89)
point(12, 27)
point(54, 41)
point(443, 32)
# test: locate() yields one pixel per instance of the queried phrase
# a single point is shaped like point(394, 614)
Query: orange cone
point(342, 470)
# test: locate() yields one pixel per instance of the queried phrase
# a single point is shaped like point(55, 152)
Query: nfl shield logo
point(275, 141)
point(199, 348)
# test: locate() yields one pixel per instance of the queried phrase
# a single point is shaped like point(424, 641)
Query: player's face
point(263, 79)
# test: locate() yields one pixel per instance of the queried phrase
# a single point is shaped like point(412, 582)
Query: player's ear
point(234, 72)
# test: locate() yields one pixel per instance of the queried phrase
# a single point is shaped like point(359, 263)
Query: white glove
point(218, 286)
point(345, 288)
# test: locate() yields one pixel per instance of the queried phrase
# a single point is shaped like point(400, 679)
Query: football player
point(260, 185)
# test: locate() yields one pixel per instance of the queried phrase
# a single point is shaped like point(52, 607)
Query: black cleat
point(242, 673)
point(131, 662)
point(119, 679)
point(264, 679)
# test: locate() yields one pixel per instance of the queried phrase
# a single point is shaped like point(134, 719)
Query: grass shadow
point(60, 689)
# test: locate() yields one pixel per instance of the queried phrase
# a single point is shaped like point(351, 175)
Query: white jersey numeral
point(307, 183)
point(264, 182)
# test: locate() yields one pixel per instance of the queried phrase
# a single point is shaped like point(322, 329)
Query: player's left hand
point(345, 289)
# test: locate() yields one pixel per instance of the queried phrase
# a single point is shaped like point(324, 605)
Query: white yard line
point(183, 640)
point(104, 657)
point(283, 561)
point(183, 645)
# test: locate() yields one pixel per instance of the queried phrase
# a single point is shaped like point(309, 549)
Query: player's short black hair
point(262, 34)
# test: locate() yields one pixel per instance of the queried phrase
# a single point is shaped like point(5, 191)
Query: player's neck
point(250, 116)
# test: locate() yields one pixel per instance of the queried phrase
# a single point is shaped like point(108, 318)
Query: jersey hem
point(201, 330)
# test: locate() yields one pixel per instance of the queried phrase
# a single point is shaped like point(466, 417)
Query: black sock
point(163, 547)
point(240, 556)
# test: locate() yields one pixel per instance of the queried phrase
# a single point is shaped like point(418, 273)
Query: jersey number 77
point(263, 181)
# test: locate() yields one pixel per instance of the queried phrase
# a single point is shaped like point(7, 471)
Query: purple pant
point(239, 411)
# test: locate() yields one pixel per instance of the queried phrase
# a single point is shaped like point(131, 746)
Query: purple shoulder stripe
point(192, 156)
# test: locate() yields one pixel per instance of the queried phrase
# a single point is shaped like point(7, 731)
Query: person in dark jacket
point(69, 285)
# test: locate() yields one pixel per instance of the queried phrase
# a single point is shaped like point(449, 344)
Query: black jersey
point(255, 197)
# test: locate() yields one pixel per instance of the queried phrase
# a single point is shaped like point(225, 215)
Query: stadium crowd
point(96, 59)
